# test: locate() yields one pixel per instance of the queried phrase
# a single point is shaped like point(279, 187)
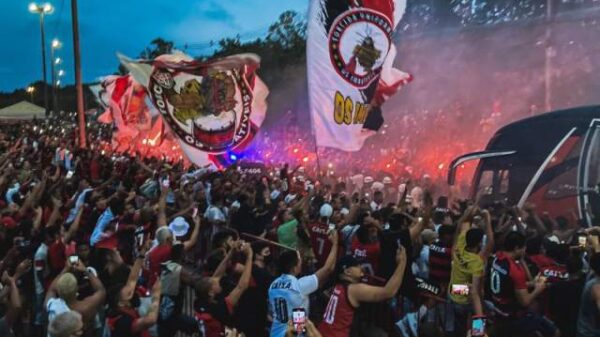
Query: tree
point(158, 46)
point(289, 31)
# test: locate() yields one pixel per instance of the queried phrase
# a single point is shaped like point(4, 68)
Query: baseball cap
point(368, 179)
point(326, 211)
point(346, 262)
point(387, 180)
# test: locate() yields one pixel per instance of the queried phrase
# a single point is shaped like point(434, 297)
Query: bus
point(550, 160)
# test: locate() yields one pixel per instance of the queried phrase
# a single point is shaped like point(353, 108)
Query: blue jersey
point(285, 294)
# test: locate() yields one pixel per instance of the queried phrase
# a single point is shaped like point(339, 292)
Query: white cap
point(326, 211)
point(368, 179)
point(387, 180)
point(345, 211)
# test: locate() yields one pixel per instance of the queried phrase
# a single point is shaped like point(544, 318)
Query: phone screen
point(299, 320)
point(582, 241)
point(460, 289)
point(73, 259)
point(478, 327)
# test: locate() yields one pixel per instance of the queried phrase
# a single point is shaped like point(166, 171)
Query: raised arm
point(244, 282)
point(189, 244)
point(489, 233)
point(90, 305)
point(360, 292)
point(151, 317)
point(323, 273)
point(162, 207)
point(74, 227)
point(14, 306)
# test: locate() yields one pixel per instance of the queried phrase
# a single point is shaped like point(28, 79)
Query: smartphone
point(69, 175)
point(73, 259)
point(582, 241)
point(331, 227)
point(299, 320)
point(478, 326)
point(460, 289)
point(195, 212)
point(166, 183)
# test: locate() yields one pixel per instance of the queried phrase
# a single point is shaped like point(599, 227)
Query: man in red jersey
point(319, 235)
point(509, 288)
point(349, 293)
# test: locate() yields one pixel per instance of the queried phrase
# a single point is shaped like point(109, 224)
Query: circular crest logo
point(204, 111)
point(359, 40)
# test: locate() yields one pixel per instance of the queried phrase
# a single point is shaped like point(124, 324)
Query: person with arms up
point(288, 292)
point(349, 293)
point(468, 260)
point(62, 294)
point(214, 311)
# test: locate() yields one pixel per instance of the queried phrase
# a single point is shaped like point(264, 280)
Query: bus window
point(486, 183)
point(504, 182)
point(591, 198)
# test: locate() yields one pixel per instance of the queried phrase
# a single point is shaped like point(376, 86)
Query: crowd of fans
point(99, 244)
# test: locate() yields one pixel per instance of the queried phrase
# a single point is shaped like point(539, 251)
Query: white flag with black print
point(350, 56)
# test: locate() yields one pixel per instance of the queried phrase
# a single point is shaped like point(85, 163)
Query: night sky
point(126, 26)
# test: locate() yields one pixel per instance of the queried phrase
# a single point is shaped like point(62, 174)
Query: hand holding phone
point(478, 326)
point(299, 320)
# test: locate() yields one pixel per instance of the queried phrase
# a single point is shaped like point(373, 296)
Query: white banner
point(350, 55)
point(211, 107)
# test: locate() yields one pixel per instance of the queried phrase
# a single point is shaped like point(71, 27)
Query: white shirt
point(287, 293)
point(55, 307)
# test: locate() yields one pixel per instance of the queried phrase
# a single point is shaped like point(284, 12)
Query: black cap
point(345, 263)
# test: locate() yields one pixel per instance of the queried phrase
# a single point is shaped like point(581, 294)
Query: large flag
point(211, 107)
point(350, 55)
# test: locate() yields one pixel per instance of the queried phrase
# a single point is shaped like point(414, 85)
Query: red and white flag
point(211, 107)
point(350, 56)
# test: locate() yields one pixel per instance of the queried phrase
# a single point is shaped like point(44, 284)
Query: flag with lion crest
point(211, 107)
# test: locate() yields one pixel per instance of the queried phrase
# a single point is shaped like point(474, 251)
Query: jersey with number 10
point(287, 293)
point(339, 314)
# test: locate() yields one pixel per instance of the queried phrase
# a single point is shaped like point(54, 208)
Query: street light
point(56, 44)
point(30, 90)
point(42, 10)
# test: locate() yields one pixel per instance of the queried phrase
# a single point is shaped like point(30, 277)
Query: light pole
point(30, 90)
point(42, 10)
point(56, 44)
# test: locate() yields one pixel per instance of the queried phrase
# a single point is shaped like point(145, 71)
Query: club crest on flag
point(210, 113)
point(359, 41)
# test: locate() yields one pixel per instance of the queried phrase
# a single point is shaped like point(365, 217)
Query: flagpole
point(258, 238)
point(78, 81)
point(317, 155)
